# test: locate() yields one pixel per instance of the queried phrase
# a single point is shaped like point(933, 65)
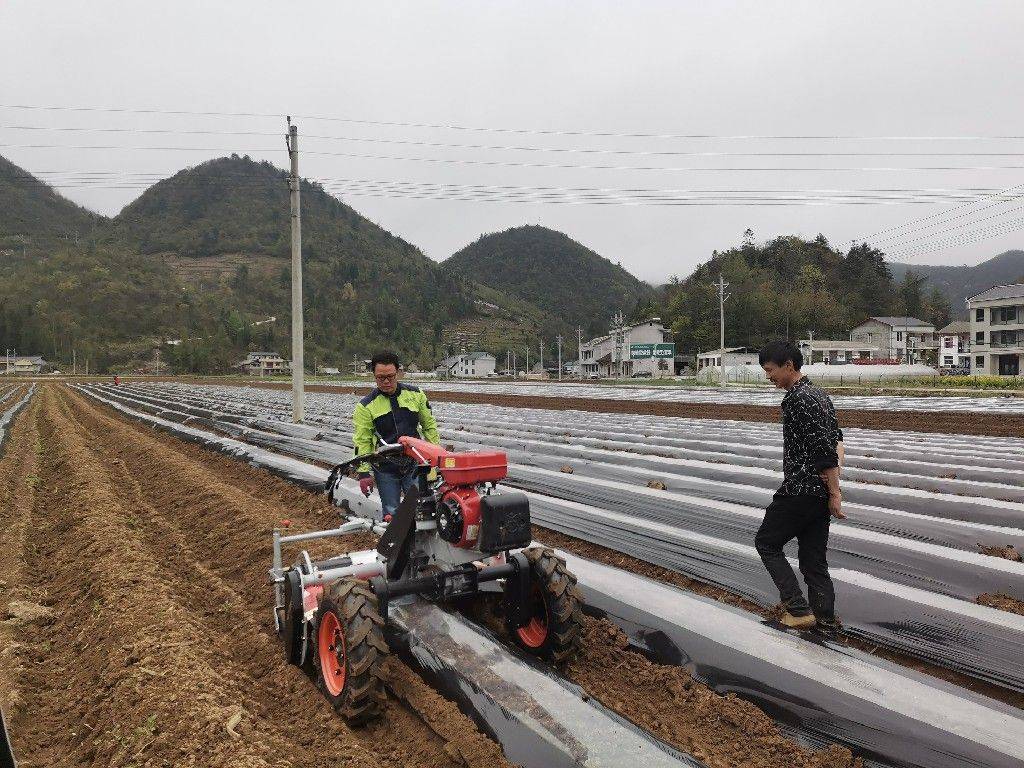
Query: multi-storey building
point(905, 339)
point(955, 345)
point(997, 330)
point(640, 349)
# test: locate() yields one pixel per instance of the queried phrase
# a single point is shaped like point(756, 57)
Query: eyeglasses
point(386, 377)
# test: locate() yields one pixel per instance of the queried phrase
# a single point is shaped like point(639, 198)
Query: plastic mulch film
point(893, 589)
point(888, 713)
point(7, 417)
point(6, 750)
point(963, 636)
point(539, 720)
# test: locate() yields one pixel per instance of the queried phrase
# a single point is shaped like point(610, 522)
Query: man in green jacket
point(391, 410)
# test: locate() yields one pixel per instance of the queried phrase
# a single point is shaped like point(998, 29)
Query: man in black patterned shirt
point(809, 496)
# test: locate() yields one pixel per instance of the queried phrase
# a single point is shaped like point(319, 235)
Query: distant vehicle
point(642, 375)
point(955, 370)
point(594, 376)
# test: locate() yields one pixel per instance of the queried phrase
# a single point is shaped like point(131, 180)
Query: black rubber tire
point(563, 607)
point(292, 626)
point(354, 606)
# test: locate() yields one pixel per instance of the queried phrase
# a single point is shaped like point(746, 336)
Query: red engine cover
point(469, 503)
point(465, 468)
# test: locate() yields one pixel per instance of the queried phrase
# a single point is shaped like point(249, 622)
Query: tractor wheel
point(555, 628)
point(350, 650)
point(292, 626)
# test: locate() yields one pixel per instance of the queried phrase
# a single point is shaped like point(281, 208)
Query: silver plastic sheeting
point(889, 712)
point(7, 417)
point(538, 719)
point(823, 693)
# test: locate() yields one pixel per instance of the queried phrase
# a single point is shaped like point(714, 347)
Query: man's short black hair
point(384, 357)
point(779, 352)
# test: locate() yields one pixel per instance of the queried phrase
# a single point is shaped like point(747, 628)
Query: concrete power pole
point(541, 345)
point(298, 372)
point(722, 296)
point(559, 357)
point(579, 351)
point(527, 359)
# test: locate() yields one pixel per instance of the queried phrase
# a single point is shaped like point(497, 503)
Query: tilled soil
point(138, 607)
point(138, 603)
point(946, 422)
point(1002, 602)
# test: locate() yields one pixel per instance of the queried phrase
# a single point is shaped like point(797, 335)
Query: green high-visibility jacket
point(406, 412)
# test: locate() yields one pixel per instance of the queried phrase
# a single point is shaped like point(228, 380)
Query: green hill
point(30, 209)
point(958, 283)
point(551, 271)
point(363, 287)
point(202, 257)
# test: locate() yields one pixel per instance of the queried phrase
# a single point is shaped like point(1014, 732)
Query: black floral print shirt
point(810, 433)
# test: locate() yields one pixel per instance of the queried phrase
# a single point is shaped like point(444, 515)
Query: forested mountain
point(788, 287)
point(362, 288)
point(204, 255)
point(962, 282)
point(554, 273)
point(29, 209)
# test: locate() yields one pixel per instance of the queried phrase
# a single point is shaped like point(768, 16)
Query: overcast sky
point(710, 68)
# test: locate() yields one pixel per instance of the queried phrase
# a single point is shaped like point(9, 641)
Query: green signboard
point(647, 351)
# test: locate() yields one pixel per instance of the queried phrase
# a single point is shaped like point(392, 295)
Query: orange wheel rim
point(331, 648)
point(535, 632)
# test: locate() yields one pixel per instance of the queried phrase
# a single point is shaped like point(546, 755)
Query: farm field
point(136, 562)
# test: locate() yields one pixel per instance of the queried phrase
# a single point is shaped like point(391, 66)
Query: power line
point(507, 193)
point(944, 213)
point(516, 130)
point(518, 164)
point(513, 148)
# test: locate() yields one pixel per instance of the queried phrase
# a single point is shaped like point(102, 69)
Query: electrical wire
point(514, 130)
point(433, 190)
point(514, 148)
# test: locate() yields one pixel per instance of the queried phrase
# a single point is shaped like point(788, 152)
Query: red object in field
point(467, 502)
point(465, 468)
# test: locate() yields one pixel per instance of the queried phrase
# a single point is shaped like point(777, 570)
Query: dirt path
point(946, 422)
point(150, 642)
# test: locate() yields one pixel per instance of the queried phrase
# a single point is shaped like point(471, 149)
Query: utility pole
point(579, 351)
point(559, 357)
point(527, 359)
point(74, 362)
point(298, 374)
point(810, 334)
point(722, 296)
point(515, 369)
point(541, 345)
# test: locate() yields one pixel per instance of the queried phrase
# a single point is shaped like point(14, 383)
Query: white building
point(734, 356)
point(997, 330)
point(473, 365)
point(643, 349)
point(955, 345)
point(264, 364)
point(836, 352)
point(906, 339)
point(24, 364)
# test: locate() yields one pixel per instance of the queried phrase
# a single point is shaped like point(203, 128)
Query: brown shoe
point(798, 622)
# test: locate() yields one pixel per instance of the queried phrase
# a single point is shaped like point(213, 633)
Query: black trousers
point(806, 519)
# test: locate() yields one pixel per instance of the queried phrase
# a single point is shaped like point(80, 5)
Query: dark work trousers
point(805, 518)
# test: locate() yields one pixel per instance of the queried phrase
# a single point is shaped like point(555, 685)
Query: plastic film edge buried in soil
point(987, 645)
point(909, 741)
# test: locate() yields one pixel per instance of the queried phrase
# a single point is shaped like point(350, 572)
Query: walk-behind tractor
point(450, 539)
